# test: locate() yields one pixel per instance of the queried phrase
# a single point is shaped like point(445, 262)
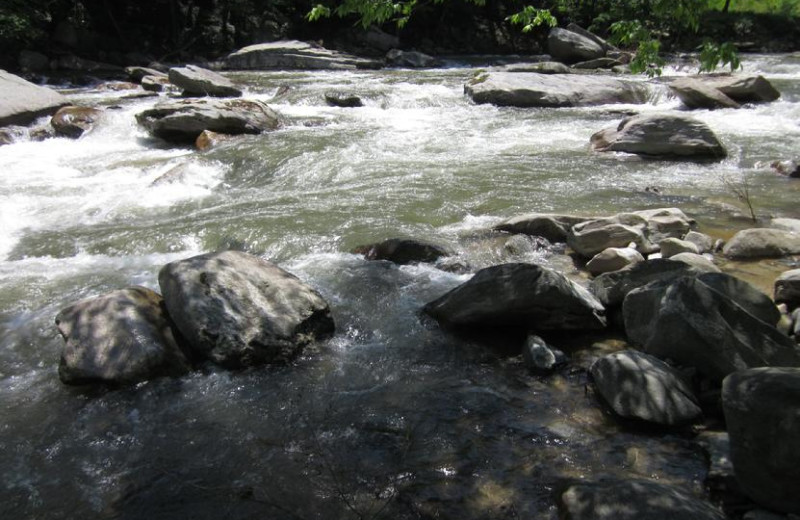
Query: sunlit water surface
point(392, 417)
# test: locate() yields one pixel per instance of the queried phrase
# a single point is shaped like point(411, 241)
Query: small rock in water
point(540, 357)
point(403, 251)
point(343, 100)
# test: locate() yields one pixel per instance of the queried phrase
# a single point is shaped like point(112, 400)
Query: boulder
point(571, 47)
point(343, 99)
point(73, 122)
point(183, 121)
point(530, 89)
point(522, 296)
point(675, 246)
point(22, 102)
point(695, 93)
point(640, 386)
point(593, 236)
point(155, 83)
point(238, 310)
point(197, 81)
point(762, 412)
point(599, 63)
point(786, 224)
point(614, 499)
point(613, 259)
point(403, 251)
point(611, 288)
point(762, 243)
point(699, 263)
point(711, 322)
point(293, 55)
point(607, 47)
point(744, 89)
point(665, 223)
point(137, 74)
point(673, 136)
point(704, 242)
point(787, 288)
point(553, 228)
point(122, 337)
point(540, 357)
point(116, 86)
point(410, 59)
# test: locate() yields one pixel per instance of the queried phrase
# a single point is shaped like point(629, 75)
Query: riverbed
point(392, 417)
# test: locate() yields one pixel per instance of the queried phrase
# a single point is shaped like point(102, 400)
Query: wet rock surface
point(22, 101)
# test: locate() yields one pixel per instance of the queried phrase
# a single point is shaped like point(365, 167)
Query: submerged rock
point(762, 243)
point(713, 322)
point(238, 310)
point(343, 100)
point(22, 102)
point(183, 121)
point(75, 121)
point(632, 500)
point(403, 251)
point(197, 81)
point(540, 357)
point(121, 337)
point(661, 135)
point(640, 386)
point(762, 412)
point(529, 89)
point(523, 296)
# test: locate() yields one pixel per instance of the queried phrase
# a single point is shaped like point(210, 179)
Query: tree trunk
point(727, 5)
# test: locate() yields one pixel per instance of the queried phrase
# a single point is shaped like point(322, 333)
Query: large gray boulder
point(293, 55)
point(571, 47)
point(121, 337)
point(672, 136)
point(183, 121)
point(613, 259)
point(594, 236)
point(239, 310)
point(695, 93)
point(615, 499)
point(524, 296)
point(640, 386)
point(197, 81)
point(744, 89)
point(762, 412)
point(762, 243)
point(22, 102)
point(410, 59)
point(712, 322)
point(552, 227)
point(529, 89)
point(611, 288)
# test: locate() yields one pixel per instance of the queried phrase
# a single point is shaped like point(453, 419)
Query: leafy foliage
point(633, 34)
point(714, 54)
point(530, 18)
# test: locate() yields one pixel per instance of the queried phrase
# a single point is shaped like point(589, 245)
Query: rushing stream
point(392, 417)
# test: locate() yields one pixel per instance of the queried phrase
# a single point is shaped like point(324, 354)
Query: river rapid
point(392, 417)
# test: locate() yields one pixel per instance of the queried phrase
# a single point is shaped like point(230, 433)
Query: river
point(392, 417)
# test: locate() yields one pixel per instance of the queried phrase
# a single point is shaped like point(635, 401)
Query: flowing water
point(392, 417)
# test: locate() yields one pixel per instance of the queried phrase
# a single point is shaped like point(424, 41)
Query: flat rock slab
point(661, 135)
point(762, 243)
point(632, 500)
point(197, 81)
point(294, 55)
point(524, 296)
point(639, 386)
point(762, 411)
point(183, 121)
point(22, 101)
point(121, 337)
point(530, 89)
point(238, 310)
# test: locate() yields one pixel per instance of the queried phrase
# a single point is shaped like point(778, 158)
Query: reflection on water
point(392, 417)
